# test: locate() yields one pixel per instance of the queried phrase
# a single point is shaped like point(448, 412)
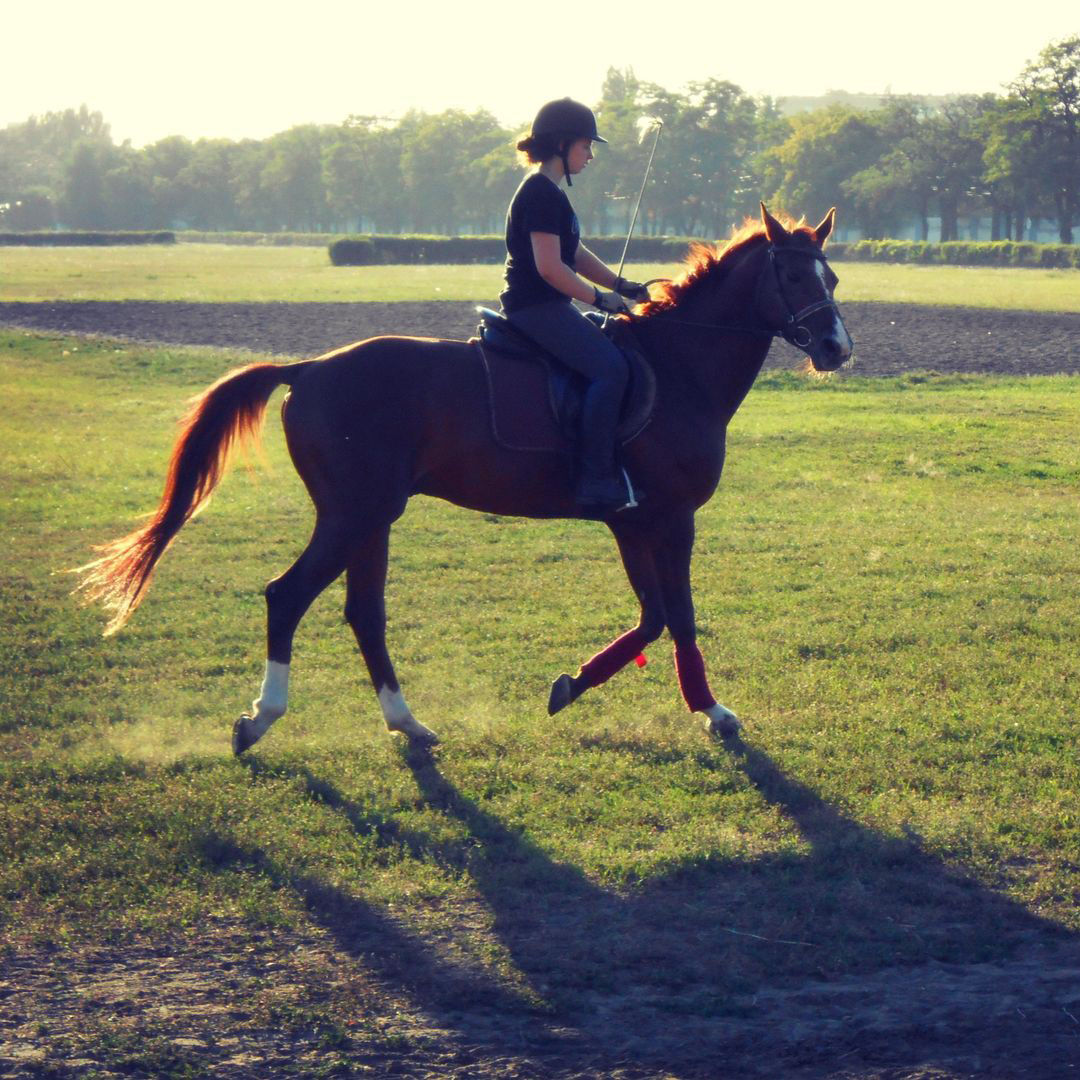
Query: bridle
point(792, 330)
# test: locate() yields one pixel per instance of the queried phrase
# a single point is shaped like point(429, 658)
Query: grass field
point(886, 583)
point(219, 273)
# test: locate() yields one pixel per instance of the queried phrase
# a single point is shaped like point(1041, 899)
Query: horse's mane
point(710, 262)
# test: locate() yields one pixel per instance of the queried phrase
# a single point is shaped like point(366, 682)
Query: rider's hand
point(632, 290)
point(610, 302)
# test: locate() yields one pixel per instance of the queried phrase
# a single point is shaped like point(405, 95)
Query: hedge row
point(83, 239)
point(256, 239)
point(376, 250)
point(383, 250)
point(960, 253)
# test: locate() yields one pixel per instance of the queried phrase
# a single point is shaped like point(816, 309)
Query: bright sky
point(236, 69)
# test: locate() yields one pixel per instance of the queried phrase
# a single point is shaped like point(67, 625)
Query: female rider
point(545, 267)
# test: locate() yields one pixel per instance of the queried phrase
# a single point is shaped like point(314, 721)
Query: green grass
point(219, 273)
point(886, 586)
point(885, 580)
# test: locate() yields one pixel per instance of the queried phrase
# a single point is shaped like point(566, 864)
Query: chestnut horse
point(376, 422)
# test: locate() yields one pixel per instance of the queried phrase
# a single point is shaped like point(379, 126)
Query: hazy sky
point(238, 69)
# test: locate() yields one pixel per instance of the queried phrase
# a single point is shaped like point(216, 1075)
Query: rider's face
point(578, 155)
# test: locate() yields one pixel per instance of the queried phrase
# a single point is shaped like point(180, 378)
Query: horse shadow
point(676, 972)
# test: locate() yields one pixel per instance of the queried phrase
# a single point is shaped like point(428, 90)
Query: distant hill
point(788, 106)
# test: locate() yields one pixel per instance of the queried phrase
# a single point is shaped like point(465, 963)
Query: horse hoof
point(417, 734)
point(720, 721)
point(424, 738)
point(563, 692)
point(242, 735)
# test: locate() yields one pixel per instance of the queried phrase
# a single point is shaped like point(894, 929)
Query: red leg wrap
point(691, 668)
point(599, 668)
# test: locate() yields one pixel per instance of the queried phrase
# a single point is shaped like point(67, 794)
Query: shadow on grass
point(672, 973)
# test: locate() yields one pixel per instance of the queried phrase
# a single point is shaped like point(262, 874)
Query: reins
point(753, 330)
point(792, 330)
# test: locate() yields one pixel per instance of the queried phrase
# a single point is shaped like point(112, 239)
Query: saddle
point(535, 400)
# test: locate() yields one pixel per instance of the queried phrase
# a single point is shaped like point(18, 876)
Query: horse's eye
point(794, 277)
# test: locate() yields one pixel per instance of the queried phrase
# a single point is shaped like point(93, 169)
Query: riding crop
point(654, 123)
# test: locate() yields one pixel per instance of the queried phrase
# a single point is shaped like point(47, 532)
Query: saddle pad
point(525, 403)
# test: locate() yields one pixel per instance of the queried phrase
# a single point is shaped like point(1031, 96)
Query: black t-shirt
point(538, 205)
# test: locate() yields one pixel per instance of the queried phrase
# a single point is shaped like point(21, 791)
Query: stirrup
point(608, 499)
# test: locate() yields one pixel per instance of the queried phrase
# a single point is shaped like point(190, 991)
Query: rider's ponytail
point(536, 149)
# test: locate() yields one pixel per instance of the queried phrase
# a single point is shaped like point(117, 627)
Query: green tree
point(166, 162)
point(249, 159)
point(1012, 170)
point(439, 160)
point(806, 172)
point(292, 181)
point(901, 183)
point(933, 159)
point(675, 189)
point(130, 192)
point(1048, 111)
point(30, 211)
point(36, 154)
point(207, 182)
point(494, 177)
point(83, 188)
point(956, 139)
point(345, 176)
point(721, 163)
point(605, 204)
point(363, 177)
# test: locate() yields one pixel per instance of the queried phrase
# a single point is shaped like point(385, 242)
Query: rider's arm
point(549, 265)
point(589, 266)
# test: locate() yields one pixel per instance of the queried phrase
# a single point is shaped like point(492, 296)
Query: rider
point(545, 267)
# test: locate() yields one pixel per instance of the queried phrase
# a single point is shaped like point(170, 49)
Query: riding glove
point(610, 302)
point(632, 290)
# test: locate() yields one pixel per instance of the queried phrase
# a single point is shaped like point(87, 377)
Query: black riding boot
point(600, 483)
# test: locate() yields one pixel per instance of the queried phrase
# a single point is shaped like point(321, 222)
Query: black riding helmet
point(566, 119)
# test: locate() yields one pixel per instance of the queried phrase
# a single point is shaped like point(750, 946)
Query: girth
point(535, 400)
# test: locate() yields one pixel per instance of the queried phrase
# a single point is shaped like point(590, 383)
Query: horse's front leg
point(673, 567)
point(640, 566)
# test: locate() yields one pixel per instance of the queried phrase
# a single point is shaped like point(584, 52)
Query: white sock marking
point(395, 712)
point(273, 697)
point(720, 721)
point(399, 717)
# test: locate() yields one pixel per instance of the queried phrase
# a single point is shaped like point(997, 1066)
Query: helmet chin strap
point(565, 155)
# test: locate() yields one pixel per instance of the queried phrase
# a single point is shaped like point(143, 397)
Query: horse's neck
point(716, 366)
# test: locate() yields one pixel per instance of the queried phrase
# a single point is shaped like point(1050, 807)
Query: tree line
point(1012, 158)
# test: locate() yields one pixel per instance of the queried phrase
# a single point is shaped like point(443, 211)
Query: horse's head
point(795, 292)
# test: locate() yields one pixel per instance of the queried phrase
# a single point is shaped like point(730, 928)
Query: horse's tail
point(224, 416)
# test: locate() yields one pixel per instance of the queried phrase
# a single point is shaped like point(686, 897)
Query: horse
point(376, 422)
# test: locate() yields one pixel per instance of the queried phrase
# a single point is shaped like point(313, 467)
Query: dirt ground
point(245, 1004)
point(889, 338)
point(343, 998)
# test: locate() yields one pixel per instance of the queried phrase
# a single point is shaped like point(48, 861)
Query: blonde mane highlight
point(704, 261)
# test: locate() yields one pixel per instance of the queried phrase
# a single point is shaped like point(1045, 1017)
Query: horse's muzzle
point(831, 351)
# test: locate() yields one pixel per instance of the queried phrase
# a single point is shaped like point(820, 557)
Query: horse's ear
point(822, 232)
point(776, 232)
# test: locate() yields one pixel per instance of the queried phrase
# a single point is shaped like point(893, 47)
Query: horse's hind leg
point(287, 599)
point(365, 611)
